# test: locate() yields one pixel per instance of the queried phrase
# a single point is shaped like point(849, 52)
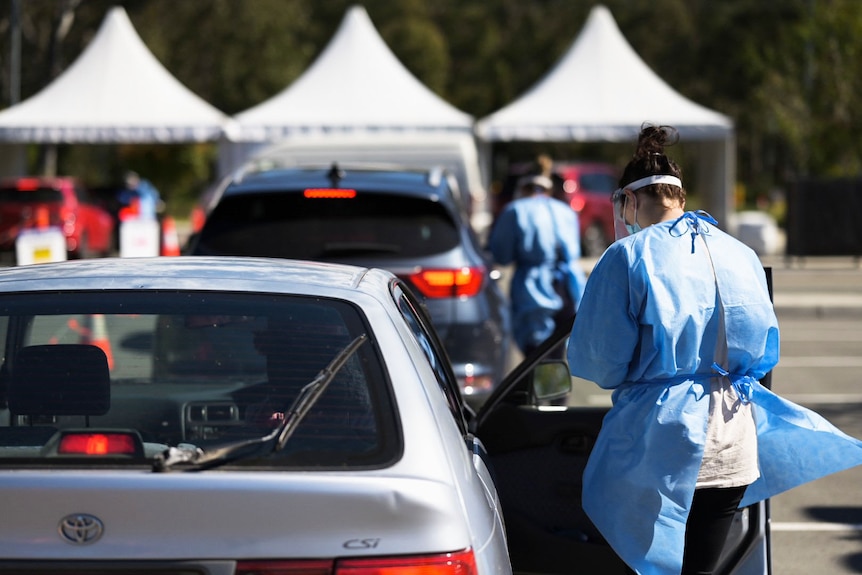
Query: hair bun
point(653, 139)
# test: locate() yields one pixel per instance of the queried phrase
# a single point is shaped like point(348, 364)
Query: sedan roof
point(187, 272)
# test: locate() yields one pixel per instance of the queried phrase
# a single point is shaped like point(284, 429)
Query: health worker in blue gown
point(540, 235)
point(676, 318)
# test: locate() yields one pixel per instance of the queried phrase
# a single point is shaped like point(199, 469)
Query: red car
point(587, 188)
point(88, 228)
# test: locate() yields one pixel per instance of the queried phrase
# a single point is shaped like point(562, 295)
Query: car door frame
point(521, 435)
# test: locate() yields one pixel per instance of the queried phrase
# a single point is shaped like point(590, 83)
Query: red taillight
point(329, 193)
point(308, 567)
point(102, 443)
point(197, 218)
point(462, 282)
point(578, 202)
point(67, 220)
point(462, 563)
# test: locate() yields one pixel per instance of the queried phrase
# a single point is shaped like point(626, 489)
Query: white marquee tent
point(356, 84)
point(601, 90)
point(115, 91)
point(356, 88)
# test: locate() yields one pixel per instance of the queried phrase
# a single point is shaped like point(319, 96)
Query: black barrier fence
point(824, 217)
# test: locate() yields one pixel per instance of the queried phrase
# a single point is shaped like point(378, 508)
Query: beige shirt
point(730, 453)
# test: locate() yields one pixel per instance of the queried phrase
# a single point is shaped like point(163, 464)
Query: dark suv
point(408, 222)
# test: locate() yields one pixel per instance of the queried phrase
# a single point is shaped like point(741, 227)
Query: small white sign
point(139, 238)
point(40, 245)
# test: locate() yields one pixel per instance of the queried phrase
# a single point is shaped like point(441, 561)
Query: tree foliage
point(786, 71)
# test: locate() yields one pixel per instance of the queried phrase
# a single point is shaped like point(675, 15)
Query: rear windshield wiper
point(199, 459)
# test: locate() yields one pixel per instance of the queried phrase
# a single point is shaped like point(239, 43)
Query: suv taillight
point(461, 563)
point(439, 283)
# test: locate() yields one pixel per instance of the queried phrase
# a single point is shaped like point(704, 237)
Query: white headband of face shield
point(648, 181)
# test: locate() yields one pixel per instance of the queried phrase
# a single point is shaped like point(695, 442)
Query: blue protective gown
point(647, 328)
point(527, 233)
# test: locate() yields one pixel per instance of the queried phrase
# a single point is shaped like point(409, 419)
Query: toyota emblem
point(81, 529)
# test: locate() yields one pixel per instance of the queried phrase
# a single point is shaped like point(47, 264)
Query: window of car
point(420, 326)
point(199, 368)
point(290, 225)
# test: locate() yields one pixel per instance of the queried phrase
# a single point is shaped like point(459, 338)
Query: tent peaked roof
point(600, 90)
point(116, 91)
point(355, 85)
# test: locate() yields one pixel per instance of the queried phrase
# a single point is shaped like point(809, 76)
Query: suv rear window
point(288, 225)
point(192, 367)
point(39, 195)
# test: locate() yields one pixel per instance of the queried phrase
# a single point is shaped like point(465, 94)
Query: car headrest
point(60, 380)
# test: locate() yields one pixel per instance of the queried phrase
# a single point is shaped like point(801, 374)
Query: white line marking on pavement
point(810, 526)
point(820, 361)
point(809, 398)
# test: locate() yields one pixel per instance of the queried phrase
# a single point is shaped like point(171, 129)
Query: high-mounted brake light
point(329, 193)
point(28, 184)
point(99, 443)
point(435, 283)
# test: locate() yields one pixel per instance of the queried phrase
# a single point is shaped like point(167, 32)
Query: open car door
point(538, 428)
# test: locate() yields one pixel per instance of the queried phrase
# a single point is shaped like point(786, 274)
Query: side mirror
point(551, 381)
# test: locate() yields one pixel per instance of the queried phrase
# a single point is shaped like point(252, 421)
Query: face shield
point(623, 229)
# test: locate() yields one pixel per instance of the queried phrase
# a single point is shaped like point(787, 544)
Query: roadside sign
point(40, 245)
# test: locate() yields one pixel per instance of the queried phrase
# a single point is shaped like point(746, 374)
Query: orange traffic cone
point(96, 333)
point(43, 218)
point(170, 237)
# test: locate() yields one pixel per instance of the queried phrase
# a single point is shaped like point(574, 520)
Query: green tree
point(785, 71)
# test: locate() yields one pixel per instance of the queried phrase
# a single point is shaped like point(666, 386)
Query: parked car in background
point(410, 222)
point(586, 187)
point(87, 227)
point(238, 416)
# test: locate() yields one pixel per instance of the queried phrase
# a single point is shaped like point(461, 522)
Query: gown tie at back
point(695, 222)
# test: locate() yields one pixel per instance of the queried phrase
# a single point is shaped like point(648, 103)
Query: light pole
point(15, 53)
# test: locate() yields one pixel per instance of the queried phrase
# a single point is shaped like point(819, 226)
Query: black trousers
point(709, 522)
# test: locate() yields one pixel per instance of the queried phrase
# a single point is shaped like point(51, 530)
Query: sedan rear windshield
point(193, 369)
point(289, 225)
